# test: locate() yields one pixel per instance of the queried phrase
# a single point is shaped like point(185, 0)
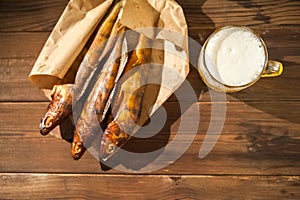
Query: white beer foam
point(237, 56)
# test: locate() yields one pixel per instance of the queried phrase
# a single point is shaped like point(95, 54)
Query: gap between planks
point(136, 175)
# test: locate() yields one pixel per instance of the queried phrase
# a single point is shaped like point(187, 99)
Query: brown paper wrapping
point(58, 59)
point(66, 41)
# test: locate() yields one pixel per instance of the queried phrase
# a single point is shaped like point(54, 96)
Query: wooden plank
point(15, 86)
point(85, 186)
point(24, 44)
point(14, 82)
point(30, 15)
point(25, 117)
point(53, 156)
point(267, 14)
point(259, 138)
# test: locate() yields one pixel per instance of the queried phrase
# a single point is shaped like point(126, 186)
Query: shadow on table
point(275, 95)
point(150, 148)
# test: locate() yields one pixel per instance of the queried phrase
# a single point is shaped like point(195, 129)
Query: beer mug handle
point(274, 68)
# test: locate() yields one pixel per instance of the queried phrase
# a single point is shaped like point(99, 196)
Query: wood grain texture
point(265, 143)
point(15, 85)
point(264, 14)
point(257, 153)
point(14, 82)
point(22, 45)
point(28, 44)
point(24, 15)
point(30, 15)
point(73, 186)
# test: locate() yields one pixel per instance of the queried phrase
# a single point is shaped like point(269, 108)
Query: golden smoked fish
point(92, 115)
point(98, 52)
point(128, 104)
point(59, 108)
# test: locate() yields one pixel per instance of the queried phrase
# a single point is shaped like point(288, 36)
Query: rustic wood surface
point(256, 157)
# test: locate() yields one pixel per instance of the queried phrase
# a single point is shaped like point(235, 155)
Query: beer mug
point(234, 58)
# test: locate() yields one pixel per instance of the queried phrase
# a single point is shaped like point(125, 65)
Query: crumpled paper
point(62, 52)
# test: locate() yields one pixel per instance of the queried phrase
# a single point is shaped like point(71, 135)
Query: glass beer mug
point(234, 58)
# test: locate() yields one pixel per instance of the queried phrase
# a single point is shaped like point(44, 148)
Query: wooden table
point(256, 157)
